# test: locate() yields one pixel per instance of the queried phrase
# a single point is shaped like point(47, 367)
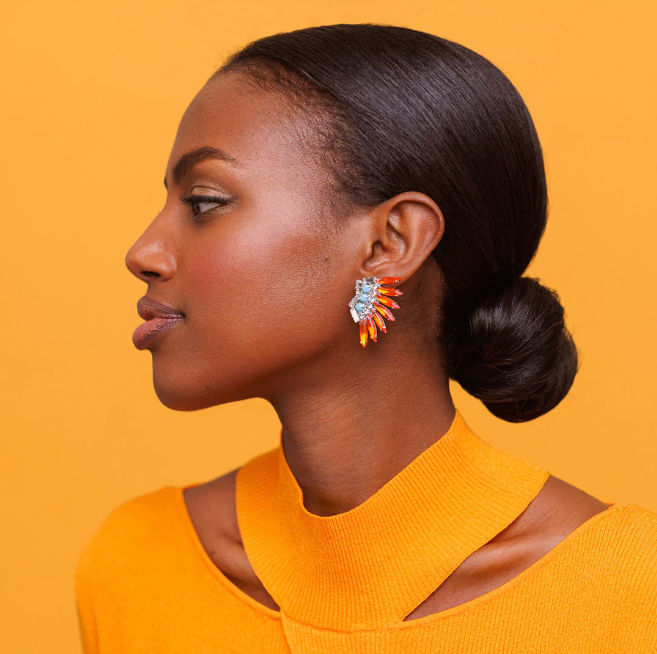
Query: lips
point(159, 318)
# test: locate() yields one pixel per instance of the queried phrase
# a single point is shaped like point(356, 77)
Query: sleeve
point(109, 564)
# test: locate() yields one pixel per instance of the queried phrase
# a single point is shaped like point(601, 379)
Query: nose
point(149, 258)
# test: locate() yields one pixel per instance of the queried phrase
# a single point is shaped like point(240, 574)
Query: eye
point(201, 204)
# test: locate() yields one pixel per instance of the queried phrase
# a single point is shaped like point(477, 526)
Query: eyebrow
point(194, 157)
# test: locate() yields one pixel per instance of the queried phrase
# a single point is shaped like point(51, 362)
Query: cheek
point(259, 295)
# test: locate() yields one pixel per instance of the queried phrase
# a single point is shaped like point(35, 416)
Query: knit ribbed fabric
point(370, 567)
point(344, 583)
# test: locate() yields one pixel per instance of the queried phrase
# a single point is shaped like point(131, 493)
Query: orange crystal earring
point(371, 302)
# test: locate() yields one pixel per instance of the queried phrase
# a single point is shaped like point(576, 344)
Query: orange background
point(93, 93)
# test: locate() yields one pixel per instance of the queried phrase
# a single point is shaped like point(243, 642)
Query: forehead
point(256, 127)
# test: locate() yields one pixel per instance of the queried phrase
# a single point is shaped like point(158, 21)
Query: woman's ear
point(404, 232)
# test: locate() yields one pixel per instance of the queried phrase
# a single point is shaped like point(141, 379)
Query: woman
point(387, 177)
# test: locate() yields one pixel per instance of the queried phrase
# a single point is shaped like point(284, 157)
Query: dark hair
point(407, 110)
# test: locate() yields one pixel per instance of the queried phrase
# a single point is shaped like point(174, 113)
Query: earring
point(371, 302)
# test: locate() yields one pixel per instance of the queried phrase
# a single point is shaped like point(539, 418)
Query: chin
point(176, 398)
point(178, 389)
point(175, 393)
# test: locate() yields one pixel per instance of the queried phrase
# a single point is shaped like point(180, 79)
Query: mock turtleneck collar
point(371, 566)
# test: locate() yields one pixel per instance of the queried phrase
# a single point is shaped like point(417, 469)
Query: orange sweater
point(344, 583)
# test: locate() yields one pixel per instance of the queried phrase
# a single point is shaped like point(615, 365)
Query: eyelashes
point(194, 201)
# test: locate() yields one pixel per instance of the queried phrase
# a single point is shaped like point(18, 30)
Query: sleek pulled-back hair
point(402, 110)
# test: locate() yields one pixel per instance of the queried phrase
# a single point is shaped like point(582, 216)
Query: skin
point(264, 282)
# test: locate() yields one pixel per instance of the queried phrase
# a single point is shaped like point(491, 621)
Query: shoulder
point(614, 547)
point(565, 508)
point(610, 542)
point(121, 536)
point(212, 512)
point(561, 509)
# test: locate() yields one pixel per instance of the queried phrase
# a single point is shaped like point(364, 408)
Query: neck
point(347, 433)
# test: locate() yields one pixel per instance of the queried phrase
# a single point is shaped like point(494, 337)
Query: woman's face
point(264, 274)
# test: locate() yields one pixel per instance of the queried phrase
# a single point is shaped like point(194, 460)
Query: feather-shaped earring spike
point(370, 305)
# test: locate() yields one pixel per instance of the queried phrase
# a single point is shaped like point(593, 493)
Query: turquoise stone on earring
point(359, 307)
point(363, 298)
point(366, 288)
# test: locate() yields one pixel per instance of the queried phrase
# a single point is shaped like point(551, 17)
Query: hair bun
point(513, 351)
